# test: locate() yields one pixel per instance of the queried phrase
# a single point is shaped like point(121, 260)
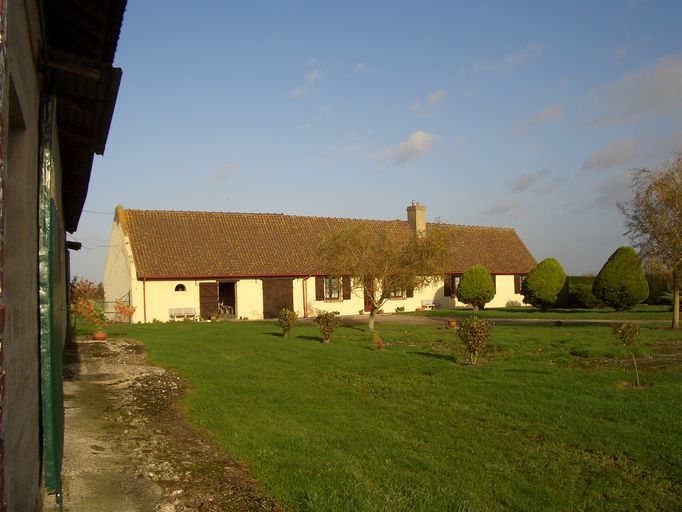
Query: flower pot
point(99, 336)
point(452, 323)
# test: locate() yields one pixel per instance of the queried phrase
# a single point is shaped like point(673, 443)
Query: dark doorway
point(208, 300)
point(277, 294)
point(226, 299)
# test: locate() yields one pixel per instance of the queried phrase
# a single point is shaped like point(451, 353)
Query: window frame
point(332, 286)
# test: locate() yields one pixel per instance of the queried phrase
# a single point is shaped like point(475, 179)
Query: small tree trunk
point(676, 307)
point(634, 361)
point(372, 313)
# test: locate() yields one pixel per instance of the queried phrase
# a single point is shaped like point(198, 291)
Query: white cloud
point(432, 100)
point(310, 79)
point(652, 91)
point(618, 154)
point(512, 60)
point(547, 114)
point(417, 144)
point(223, 174)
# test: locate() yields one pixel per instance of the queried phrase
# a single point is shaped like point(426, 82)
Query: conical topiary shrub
point(621, 283)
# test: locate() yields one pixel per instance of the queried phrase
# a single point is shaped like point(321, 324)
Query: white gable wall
point(119, 268)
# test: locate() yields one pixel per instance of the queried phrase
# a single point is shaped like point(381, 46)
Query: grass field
point(547, 420)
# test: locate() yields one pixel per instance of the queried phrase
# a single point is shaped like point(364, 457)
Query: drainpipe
point(305, 297)
point(144, 297)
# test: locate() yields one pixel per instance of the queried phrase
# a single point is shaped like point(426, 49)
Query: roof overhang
point(82, 36)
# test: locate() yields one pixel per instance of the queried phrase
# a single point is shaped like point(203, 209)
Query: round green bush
point(545, 285)
point(476, 287)
point(621, 283)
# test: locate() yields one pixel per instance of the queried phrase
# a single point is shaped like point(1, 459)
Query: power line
point(98, 213)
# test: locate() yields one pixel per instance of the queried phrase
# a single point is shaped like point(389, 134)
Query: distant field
point(547, 421)
point(642, 312)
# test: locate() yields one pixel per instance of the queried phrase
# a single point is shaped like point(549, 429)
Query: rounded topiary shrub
point(621, 283)
point(545, 285)
point(287, 320)
point(476, 287)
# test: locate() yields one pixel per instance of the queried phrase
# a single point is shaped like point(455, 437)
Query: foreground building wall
point(54, 115)
point(20, 378)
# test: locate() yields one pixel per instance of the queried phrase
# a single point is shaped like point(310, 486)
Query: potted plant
point(94, 312)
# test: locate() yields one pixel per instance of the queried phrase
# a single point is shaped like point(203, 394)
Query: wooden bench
point(428, 304)
point(176, 313)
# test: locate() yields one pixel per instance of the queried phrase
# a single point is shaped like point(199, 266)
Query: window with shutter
point(447, 288)
point(319, 288)
point(346, 287)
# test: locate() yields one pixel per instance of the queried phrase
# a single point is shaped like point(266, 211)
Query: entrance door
point(368, 300)
point(277, 294)
point(208, 300)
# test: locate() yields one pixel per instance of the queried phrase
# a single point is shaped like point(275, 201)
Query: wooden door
point(208, 300)
point(277, 294)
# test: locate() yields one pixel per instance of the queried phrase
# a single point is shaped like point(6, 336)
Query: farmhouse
point(175, 264)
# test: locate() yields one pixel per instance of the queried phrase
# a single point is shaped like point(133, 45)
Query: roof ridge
point(272, 214)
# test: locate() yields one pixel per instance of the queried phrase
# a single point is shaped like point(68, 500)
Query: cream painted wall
point(161, 296)
point(504, 285)
point(249, 299)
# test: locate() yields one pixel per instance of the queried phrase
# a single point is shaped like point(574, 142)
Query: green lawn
point(546, 421)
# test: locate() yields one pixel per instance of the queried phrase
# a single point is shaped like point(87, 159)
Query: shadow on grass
point(310, 338)
point(443, 357)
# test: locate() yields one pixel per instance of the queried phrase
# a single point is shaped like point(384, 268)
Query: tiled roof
point(174, 244)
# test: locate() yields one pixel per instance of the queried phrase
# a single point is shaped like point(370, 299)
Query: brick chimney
point(416, 217)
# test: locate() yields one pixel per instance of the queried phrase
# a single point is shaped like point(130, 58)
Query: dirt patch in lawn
point(127, 446)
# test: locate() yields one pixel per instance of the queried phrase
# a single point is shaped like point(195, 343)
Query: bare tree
point(653, 221)
point(385, 259)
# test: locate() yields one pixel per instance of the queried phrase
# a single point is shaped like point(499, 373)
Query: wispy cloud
point(360, 67)
point(509, 206)
point(524, 181)
point(321, 113)
point(420, 108)
point(618, 154)
point(613, 190)
point(223, 174)
point(655, 90)
point(622, 52)
point(547, 114)
point(309, 81)
point(512, 60)
point(518, 57)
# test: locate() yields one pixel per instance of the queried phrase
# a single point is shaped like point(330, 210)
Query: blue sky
point(528, 115)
